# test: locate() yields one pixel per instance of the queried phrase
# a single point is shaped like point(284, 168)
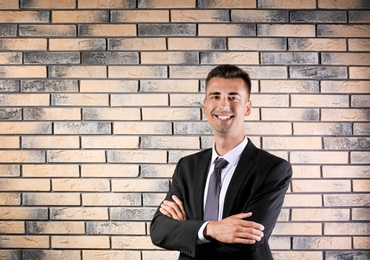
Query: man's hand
point(174, 209)
point(235, 230)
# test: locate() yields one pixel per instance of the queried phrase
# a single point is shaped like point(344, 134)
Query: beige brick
point(40, 4)
point(173, 114)
point(24, 44)
point(25, 100)
point(279, 243)
point(52, 113)
point(80, 242)
point(74, 44)
point(169, 85)
point(10, 170)
point(316, 44)
point(109, 170)
point(23, 213)
point(109, 86)
point(164, 171)
point(9, 4)
point(361, 129)
point(187, 100)
point(322, 128)
point(294, 255)
point(121, 199)
point(137, 71)
point(137, 44)
point(111, 255)
point(80, 100)
point(23, 72)
point(225, 30)
point(110, 142)
point(290, 86)
point(13, 156)
point(288, 4)
point(345, 58)
point(358, 45)
point(301, 143)
point(230, 57)
point(360, 157)
point(281, 154)
point(50, 142)
point(108, 30)
point(140, 100)
point(361, 214)
point(306, 171)
point(320, 214)
point(141, 16)
point(343, 30)
point(60, 227)
point(80, 185)
point(11, 58)
point(10, 199)
point(48, 170)
point(297, 229)
point(261, 128)
point(24, 16)
point(100, 113)
point(150, 199)
point(78, 72)
point(142, 128)
point(346, 200)
point(228, 4)
point(316, 243)
point(170, 142)
point(286, 30)
point(361, 243)
point(196, 44)
point(360, 101)
point(159, 255)
point(306, 200)
point(188, 16)
point(132, 242)
point(12, 227)
point(80, 213)
point(140, 185)
point(263, 44)
point(321, 185)
point(346, 228)
point(24, 242)
point(137, 156)
point(8, 142)
point(169, 57)
point(361, 185)
point(290, 114)
point(80, 16)
point(345, 86)
point(333, 4)
point(90, 4)
point(359, 72)
point(347, 171)
point(75, 156)
point(43, 199)
point(116, 228)
point(319, 101)
point(344, 114)
point(25, 185)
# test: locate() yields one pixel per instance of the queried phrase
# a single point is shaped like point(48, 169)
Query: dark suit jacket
point(258, 185)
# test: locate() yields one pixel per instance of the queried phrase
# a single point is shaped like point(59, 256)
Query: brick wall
point(99, 99)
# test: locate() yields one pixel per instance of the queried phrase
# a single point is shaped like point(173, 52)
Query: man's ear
point(248, 108)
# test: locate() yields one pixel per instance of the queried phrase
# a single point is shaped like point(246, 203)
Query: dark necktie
point(214, 187)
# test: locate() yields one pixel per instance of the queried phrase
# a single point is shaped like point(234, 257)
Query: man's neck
point(225, 144)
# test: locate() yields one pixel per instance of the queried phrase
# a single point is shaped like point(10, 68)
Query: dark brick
point(52, 58)
point(8, 30)
point(33, 113)
point(31, 227)
point(290, 58)
point(33, 254)
point(318, 16)
point(260, 16)
point(347, 255)
point(11, 254)
point(194, 128)
point(145, 214)
point(47, 30)
point(347, 143)
point(311, 115)
point(167, 29)
point(10, 113)
point(316, 72)
point(358, 16)
point(49, 86)
point(110, 58)
point(9, 85)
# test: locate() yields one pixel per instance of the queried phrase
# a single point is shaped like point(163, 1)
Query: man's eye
point(215, 97)
point(233, 98)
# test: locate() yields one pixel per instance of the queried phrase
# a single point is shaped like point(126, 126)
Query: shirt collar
point(233, 155)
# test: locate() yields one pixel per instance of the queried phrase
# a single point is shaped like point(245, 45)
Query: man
point(236, 220)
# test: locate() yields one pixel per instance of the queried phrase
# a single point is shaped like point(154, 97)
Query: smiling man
point(224, 201)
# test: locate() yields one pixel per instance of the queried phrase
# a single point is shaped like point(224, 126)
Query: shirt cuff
point(201, 238)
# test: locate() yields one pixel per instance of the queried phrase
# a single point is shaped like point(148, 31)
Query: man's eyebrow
point(234, 93)
point(214, 93)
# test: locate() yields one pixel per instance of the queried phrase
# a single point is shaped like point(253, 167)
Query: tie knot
point(220, 163)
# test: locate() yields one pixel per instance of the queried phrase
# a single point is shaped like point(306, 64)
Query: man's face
point(226, 104)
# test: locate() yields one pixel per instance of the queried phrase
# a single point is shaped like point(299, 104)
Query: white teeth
point(223, 117)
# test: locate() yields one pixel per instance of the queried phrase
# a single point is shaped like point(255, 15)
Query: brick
point(82, 128)
point(346, 229)
point(25, 128)
point(169, 85)
point(346, 200)
point(306, 171)
point(39, 4)
point(318, 16)
point(150, 199)
point(8, 199)
point(47, 30)
point(8, 30)
point(189, 16)
point(110, 113)
point(11, 58)
point(302, 200)
point(286, 30)
point(226, 30)
point(24, 241)
point(345, 86)
point(10, 170)
point(315, 44)
point(321, 186)
point(297, 229)
point(109, 86)
point(359, 72)
point(132, 242)
point(259, 16)
point(127, 213)
point(25, 185)
point(111, 199)
point(319, 101)
point(229, 57)
point(52, 114)
point(49, 86)
point(76, 44)
point(284, 143)
point(345, 59)
point(162, 128)
point(9, 85)
point(60, 227)
point(51, 254)
point(347, 171)
point(23, 72)
point(109, 170)
point(361, 185)
point(358, 45)
point(175, 156)
point(111, 255)
point(52, 58)
point(360, 101)
point(345, 114)
point(18, 156)
point(11, 254)
point(361, 129)
point(290, 86)
point(140, 185)
point(10, 113)
point(79, 213)
point(289, 58)
point(110, 142)
point(75, 156)
point(141, 16)
point(79, 100)
point(263, 44)
point(226, 4)
point(346, 143)
point(137, 44)
point(315, 72)
point(166, 29)
point(285, 114)
point(333, 4)
point(317, 243)
point(343, 30)
point(23, 44)
point(104, 4)
point(169, 58)
point(293, 255)
point(360, 157)
point(194, 128)
point(10, 4)
point(137, 156)
point(115, 228)
point(12, 227)
point(320, 214)
point(50, 142)
point(362, 243)
point(80, 242)
point(279, 243)
point(166, 4)
point(332, 255)
point(137, 72)
point(322, 128)
point(24, 100)
point(266, 72)
point(50, 170)
point(172, 142)
point(361, 214)
point(110, 58)
point(172, 114)
point(23, 213)
point(106, 30)
point(80, 185)
point(47, 199)
point(77, 72)
point(319, 157)
point(164, 171)
point(160, 255)
point(24, 16)
point(193, 100)
point(80, 16)
point(140, 100)
point(290, 4)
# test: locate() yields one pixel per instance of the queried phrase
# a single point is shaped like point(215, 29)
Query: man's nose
point(224, 103)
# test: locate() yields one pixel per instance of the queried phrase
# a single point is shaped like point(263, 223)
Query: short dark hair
point(228, 71)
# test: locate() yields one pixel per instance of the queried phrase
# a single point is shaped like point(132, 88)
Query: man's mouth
point(224, 117)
